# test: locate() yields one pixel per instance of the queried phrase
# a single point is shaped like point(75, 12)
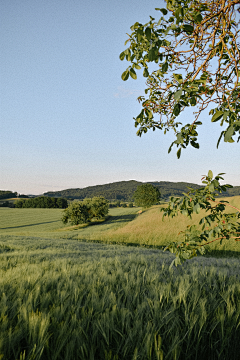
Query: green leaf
point(217, 116)
point(148, 33)
point(164, 11)
point(196, 208)
point(164, 67)
point(211, 187)
point(225, 115)
point(137, 66)
point(188, 28)
point(122, 56)
point(198, 18)
point(179, 138)
point(148, 113)
point(229, 133)
point(221, 135)
point(133, 74)
point(177, 13)
point(176, 110)
point(179, 153)
point(193, 101)
point(125, 75)
point(178, 77)
point(145, 72)
point(194, 144)
point(177, 94)
point(170, 148)
point(210, 174)
point(139, 34)
point(152, 55)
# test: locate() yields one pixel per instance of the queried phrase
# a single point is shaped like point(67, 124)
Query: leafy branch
point(216, 225)
point(196, 47)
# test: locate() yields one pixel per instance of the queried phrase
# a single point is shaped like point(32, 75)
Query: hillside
point(6, 194)
point(123, 190)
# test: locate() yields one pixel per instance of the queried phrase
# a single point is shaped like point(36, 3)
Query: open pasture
point(47, 222)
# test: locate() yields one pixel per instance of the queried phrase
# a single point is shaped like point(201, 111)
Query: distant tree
point(146, 195)
point(130, 204)
point(61, 203)
point(42, 202)
point(124, 205)
point(80, 212)
point(19, 203)
point(99, 207)
point(4, 204)
point(6, 194)
point(118, 203)
point(76, 213)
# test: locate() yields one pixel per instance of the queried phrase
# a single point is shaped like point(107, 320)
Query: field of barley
point(81, 293)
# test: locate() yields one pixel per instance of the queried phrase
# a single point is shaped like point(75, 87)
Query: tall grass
point(149, 229)
point(65, 299)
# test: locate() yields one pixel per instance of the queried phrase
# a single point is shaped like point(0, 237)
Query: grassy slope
point(149, 229)
point(47, 222)
point(23, 221)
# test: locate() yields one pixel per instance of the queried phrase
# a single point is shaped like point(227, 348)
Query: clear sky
point(67, 117)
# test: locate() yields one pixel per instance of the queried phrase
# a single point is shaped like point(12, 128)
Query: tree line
point(42, 202)
point(6, 194)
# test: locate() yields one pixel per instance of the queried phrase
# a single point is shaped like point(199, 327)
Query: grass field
point(47, 222)
point(65, 298)
point(123, 226)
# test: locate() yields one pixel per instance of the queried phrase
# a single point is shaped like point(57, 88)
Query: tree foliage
point(6, 194)
point(146, 195)
point(76, 213)
point(195, 46)
point(196, 49)
point(42, 202)
point(215, 225)
point(97, 207)
point(80, 212)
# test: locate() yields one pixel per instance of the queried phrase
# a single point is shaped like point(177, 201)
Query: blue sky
point(67, 117)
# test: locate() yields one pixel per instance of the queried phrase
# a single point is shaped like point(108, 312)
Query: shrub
point(146, 195)
point(80, 212)
point(76, 213)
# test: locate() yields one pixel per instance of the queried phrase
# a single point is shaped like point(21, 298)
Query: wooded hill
point(123, 190)
point(6, 194)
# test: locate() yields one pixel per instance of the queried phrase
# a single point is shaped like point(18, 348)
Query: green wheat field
point(105, 291)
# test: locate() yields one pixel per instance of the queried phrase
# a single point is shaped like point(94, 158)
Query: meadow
point(81, 293)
